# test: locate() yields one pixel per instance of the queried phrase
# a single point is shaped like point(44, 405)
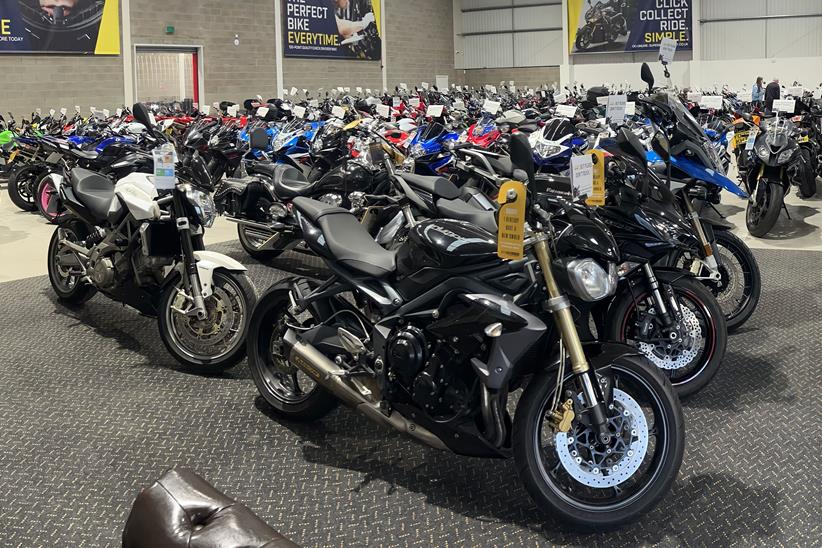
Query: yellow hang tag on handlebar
point(597, 197)
point(511, 231)
point(352, 125)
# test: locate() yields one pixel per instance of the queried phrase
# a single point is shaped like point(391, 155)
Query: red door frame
point(195, 63)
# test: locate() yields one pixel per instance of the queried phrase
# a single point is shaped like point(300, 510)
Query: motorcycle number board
point(511, 232)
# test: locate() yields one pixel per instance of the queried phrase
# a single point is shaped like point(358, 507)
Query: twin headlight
point(203, 205)
point(589, 281)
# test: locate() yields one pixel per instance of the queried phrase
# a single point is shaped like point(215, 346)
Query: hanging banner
point(60, 26)
point(636, 25)
point(347, 29)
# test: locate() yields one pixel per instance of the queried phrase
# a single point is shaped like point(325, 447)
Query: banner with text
point(60, 26)
point(628, 25)
point(347, 29)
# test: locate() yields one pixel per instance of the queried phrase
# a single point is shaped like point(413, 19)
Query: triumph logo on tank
point(332, 28)
point(610, 26)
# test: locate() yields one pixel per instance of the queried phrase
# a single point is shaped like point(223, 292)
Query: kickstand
point(786, 211)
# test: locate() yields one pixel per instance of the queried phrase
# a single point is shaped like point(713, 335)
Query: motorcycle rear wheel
point(45, 198)
point(70, 289)
point(600, 499)
point(807, 183)
point(761, 214)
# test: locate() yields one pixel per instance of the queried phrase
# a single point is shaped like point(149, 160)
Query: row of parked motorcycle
point(463, 269)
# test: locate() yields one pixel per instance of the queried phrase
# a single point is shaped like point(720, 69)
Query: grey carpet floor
point(92, 409)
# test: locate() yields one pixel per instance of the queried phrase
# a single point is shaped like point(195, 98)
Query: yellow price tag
point(597, 197)
point(511, 231)
point(13, 155)
point(353, 124)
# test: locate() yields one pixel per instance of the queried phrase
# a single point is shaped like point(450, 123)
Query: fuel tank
point(445, 244)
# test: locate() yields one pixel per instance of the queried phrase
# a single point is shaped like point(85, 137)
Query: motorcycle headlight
point(785, 156)
point(763, 152)
point(545, 150)
point(202, 204)
point(590, 281)
point(416, 151)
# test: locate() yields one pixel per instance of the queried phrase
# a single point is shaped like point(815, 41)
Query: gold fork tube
point(563, 318)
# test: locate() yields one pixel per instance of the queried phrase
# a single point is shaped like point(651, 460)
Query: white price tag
point(458, 105)
point(216, 105)
point(403, 85)
point(293, 91)
point(63, 111)
point(616, 108)
point(568, 111)
point(558, 98)
point(510, 83)
point(785, 105)
point(435, 111)
point(77, 109)
point(425, 85)
point(119, 112)
point(338, 112)
point(491, 107)
point(694, 97)
point(383, 111)
point(314, 103)
point(630, 108)
point(582, 175)
point(796, 91)
point(347, 89)
point(358, 89)
point(39, 111)
point(233, 110)
point(667, 49)
point(745, 96)
point(458, 88)
point(262, 112)
point(817, 94)
point(151, 119)
point(299, 111)
point(711, 101)
point(341, 89)
point(206, 110)
point(396, 102)
point(106, 113)
point(749, 144)
point(603, 100)
point(414, 102)
point(368, 91)
point(52, 112)
point(164, 166)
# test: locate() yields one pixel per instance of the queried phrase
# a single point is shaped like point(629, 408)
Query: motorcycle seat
point(261, 168)
point(463, 211)
point(83, 154)
point(290, 182)
point(96, 192)
point(435, 186)
point(503, 166)
point(347, 240)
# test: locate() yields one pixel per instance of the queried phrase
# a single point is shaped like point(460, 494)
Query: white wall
point(742, 73)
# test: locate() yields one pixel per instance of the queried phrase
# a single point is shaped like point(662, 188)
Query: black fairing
point(587, 236)
point(445, 243)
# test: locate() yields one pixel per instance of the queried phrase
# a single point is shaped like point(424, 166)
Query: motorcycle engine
point(429, 377)
point(102, 272)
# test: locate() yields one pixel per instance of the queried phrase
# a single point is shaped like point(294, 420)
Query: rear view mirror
point(647, 76)
point(141, 114)
point(522, 157)
point(259, 139)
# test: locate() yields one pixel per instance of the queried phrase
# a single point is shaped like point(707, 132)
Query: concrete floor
point(24, 236)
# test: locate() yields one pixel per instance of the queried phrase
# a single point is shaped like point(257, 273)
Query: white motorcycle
point(144, 247)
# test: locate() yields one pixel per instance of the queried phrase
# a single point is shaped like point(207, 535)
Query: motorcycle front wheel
point(740, 284)
point(583, 39)
point(22, 185)
point(690, 360)
point(590, 486)
point(216, 343)
point(763, 211)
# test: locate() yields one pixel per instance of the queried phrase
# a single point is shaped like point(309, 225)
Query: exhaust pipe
point(330, 376)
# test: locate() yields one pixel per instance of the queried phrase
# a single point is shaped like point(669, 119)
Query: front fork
point(190, 274)
point(560, 308)
point(708, 257)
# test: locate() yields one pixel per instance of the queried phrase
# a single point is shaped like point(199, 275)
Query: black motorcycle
point(603, 23)
point(776, 162)
point(440, 332)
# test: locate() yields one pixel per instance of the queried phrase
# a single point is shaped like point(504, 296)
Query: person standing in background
point(772, 93)
point(758, 91)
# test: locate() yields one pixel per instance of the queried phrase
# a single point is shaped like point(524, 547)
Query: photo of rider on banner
point(332, 28)
point(60, 26)
point(610, 26)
